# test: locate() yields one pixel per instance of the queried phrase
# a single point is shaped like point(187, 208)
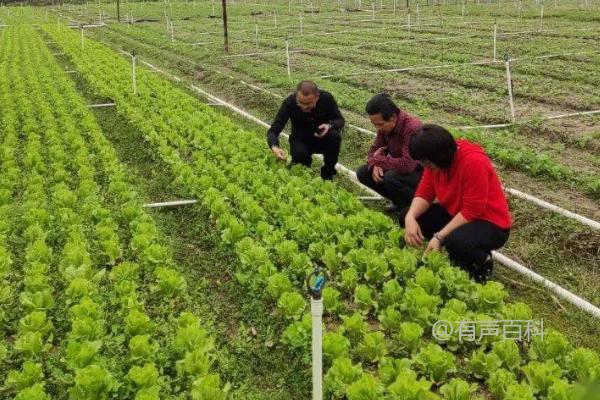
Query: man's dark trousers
point(329, 145)
point(399, 188)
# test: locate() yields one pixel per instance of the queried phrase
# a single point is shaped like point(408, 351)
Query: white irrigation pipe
point(353, 46)
point(495, 39)
point(510, 89)
point(572, 298)
point(423, 67)
point(560, 291)
point(101, 105)
point(287, 52)
point(559, 210)
point(175, 203)
point(454, 65)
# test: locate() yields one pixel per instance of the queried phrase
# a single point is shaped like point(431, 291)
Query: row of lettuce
point(381, 302)
point(92, 304)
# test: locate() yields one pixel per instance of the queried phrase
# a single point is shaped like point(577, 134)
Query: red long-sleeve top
point(397, 157)
point(471, 187)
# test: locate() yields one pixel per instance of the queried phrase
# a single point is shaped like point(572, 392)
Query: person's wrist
point(439, 237)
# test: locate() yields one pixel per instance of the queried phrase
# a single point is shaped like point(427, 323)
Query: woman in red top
point(459, 203)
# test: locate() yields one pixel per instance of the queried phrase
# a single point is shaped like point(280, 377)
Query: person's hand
point(377, 174)
point(412, 232)
point(434, 245)
point(323, 130)
point(380, 151)
point(279, 153)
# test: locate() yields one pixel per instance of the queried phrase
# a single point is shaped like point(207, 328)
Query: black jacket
point(305, 125)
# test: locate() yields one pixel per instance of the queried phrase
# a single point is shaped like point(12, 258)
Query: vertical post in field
point(510, 87)
point(225, 33)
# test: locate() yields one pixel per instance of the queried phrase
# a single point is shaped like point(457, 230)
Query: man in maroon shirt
point(390, 170)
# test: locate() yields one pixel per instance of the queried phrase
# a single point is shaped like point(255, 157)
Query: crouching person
point(459, 203)
point(390, 170)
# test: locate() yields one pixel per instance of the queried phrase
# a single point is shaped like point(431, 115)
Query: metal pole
point(510, 88)
point(225, 33)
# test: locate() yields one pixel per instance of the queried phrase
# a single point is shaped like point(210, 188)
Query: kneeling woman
point(459, 203)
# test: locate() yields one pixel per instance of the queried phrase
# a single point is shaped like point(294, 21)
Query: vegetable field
point(104, 297)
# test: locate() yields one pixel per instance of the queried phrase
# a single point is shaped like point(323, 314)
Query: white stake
point(287, 52)
point(316, 310)
point(275, 17)
point(408, 20)
point(520, 8)
point(510, 88)
point(172, 33)
point(395, 7)
point(463, 9)
point(82, 44)
point(256, 35)
point(301, 25)
point(373, 15)
point(542, 18)
point(495, 36)
point(133, 74)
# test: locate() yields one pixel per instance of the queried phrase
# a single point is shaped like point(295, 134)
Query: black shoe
point(483, 273)
point(327, 175)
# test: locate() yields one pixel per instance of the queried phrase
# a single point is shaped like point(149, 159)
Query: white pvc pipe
point(424, 67)
point(572, 298)
point(559, 210)
point(174, 203)
point(287, 53)
point(101, 105)
point(495, 37)
point(133, 75)
point(510, 91)
point(316, 310)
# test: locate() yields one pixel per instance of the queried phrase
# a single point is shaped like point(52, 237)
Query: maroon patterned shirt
point(397, 157)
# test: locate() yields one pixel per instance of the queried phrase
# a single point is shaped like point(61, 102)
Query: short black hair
point(383, 104)
point(433, 143)
point(307, 88)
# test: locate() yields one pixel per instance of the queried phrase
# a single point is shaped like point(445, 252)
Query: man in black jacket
point(316, 127)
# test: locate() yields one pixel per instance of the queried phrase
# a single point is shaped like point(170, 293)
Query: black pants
point(329, 145)
point(468, 246)
point(399, 188)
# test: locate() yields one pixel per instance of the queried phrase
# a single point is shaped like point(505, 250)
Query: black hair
point(307, 88)
point(433, 143)
point(383, 104)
